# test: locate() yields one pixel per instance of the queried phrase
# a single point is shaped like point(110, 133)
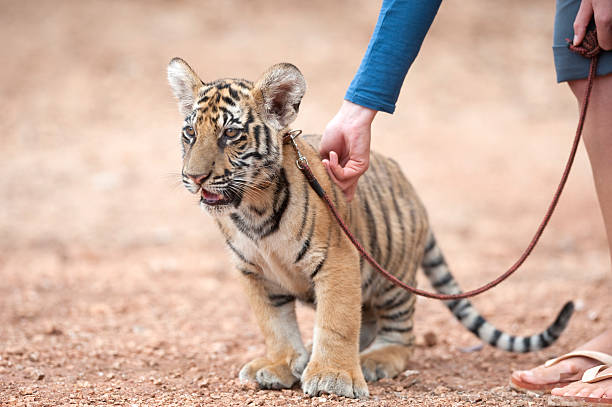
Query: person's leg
point(598, 142)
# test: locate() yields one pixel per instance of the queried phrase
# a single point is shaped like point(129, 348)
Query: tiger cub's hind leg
point(389, 353)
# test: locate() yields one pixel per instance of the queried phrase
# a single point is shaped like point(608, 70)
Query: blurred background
point(102, 248)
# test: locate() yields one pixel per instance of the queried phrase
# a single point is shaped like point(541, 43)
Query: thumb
point(585, 13)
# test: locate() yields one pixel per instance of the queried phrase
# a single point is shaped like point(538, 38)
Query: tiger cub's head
point(232, 134)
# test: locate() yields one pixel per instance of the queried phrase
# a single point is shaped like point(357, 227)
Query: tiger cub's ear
point(184, 83)
point(278, 93)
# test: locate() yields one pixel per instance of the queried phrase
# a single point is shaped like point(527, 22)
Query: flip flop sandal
point(590, 376)
point(545, 388)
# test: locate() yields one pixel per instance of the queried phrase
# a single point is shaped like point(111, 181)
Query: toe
point(585, 391)
point(577, 389)
point(597, 393)
point(558, 391)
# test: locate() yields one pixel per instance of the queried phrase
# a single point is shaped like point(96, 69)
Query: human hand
point(602, 9)
point(345, 146)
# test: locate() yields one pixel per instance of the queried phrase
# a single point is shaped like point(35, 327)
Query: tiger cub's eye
point(188, 135)
point(231, 133)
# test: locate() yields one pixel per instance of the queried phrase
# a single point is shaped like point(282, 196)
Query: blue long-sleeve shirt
point(395, 43)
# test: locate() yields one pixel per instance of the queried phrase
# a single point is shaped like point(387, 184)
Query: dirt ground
point(115, 289)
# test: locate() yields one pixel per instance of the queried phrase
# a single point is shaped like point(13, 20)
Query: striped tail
point(439, 275)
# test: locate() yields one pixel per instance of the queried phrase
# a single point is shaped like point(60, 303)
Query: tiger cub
point(287, 247)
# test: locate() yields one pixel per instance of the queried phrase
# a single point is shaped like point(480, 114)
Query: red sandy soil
point(114, 286)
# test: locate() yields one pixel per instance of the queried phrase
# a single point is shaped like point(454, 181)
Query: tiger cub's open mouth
point(213, 198)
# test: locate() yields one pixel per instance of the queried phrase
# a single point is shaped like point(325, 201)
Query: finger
point(603, 22)
point(338, 175)
point(585, 13)
point(340, 184)
point(348, 187)
point(339, 172)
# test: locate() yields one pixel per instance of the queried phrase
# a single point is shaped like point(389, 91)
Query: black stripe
point(247, 272)
point(268, 139)
point(366, 284)
point(400, 223)
point(459, 311)
point(257, 211)
point(251, 154)
point(203, 99)
point(545, 341)
point(249, 120)
point(318, 268)
point(240, 255)
point(407, 313)
point(493, 340)
point(438, 261)
point(443, 281)
point(233, 93)
point(228, 100)
point(272, 223)
point(374, 249)
point(305, 213)
point(399, 299)
point(396, 329)
point(256, 134)
point(278, 300)
point(385, 214)
point(526, 344)
point(477, 324)
point(452, 304)
point(282, 192)
point(431, 244)
point(303, 250)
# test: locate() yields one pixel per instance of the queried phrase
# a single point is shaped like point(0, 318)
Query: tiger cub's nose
point(200, 178)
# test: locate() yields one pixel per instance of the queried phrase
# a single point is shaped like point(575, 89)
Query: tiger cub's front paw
point(318, 379)
point(275, 374)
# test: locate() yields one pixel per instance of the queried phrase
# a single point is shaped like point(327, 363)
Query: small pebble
point(430, 338)
point(409, 373)
point(593, 315)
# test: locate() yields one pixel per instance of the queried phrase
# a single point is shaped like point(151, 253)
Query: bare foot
point(569, 369)
point(602, 389)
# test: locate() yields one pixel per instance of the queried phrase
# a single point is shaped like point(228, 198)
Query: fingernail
point(575, 40)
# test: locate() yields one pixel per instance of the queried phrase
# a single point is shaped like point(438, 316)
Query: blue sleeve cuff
point(369, 102)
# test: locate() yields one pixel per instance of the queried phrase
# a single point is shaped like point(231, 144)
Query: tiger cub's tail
point(439, 275)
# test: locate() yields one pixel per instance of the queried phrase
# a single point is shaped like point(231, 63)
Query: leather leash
point(589, 48)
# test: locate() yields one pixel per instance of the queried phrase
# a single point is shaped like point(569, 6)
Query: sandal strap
point(591, 354)
point(592, 375)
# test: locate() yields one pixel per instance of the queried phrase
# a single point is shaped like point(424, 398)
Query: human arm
point(395, 43)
